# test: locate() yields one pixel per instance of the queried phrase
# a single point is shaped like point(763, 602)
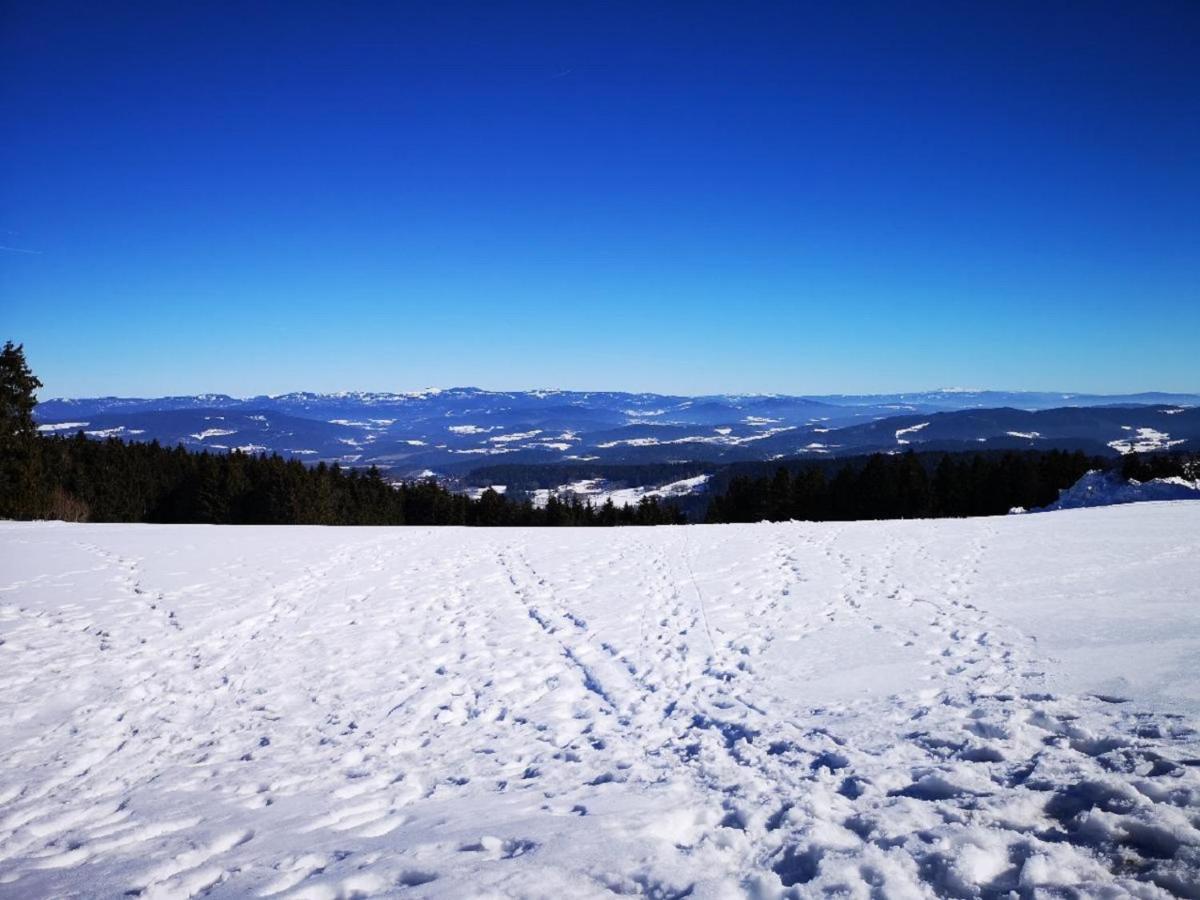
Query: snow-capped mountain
point(457, 429)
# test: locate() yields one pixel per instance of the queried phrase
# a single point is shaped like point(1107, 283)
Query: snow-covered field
point(905, 709)
point(596, 491)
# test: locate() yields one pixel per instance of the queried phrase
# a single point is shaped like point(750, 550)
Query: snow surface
point(904, 709)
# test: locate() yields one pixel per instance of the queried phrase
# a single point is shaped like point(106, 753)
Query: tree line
point(903, 486)
point(78, 479)
point(1148, 466)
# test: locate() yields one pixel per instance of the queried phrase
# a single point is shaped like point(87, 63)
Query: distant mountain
point(456, 429)
point(948, 399)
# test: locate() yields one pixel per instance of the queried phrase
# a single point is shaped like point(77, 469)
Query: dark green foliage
point(1147, 466)
point(114, 481)
point(902, 486)
point(18, 434)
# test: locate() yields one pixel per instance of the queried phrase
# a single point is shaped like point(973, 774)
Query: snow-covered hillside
point(902, 709)
point(455, 431)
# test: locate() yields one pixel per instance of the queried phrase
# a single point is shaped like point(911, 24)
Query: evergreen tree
point(20, 488)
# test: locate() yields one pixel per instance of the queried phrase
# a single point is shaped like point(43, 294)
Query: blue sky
point(681, 197)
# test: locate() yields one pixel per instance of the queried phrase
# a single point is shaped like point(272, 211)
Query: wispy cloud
point(20, 250)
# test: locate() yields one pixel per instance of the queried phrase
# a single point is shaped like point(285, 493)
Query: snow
point(912, 429)
point(631, 496)
point(1147, 440)
point(900, 709)
point(1108, 488)
point(635, 442)
point(718, 438)
point(487, 451)
point(212, 432)
point(594, 490)
point(476, 492)
point(470, 429)
point(62, 426)
point(515, 436)
point(1024, 434)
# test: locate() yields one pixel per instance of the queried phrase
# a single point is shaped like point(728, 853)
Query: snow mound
point(1098, 488)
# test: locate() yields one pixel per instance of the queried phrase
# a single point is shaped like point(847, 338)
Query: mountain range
point(451, 431)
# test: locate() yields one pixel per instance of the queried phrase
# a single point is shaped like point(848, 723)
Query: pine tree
point(19, 488)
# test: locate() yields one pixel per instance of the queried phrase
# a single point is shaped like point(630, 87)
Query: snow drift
point(1108, 488)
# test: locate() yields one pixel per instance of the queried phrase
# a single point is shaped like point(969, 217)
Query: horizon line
point(425, 393)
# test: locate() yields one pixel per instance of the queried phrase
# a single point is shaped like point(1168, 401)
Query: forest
point(79, 479)
point(903, 486)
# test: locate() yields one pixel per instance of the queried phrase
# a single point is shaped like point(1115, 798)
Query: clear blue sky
point(683, 197)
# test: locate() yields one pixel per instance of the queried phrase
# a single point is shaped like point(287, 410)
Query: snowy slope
point(901, 709)
point(597, 492)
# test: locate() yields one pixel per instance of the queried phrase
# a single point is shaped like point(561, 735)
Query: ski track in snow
point(709, 711)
